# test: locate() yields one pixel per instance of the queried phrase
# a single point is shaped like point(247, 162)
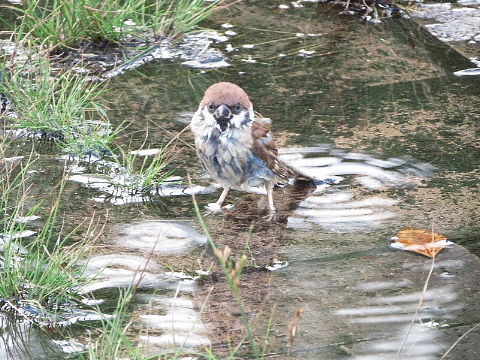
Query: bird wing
point(265, 149)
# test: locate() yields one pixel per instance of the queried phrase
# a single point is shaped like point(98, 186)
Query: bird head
point(226, 105)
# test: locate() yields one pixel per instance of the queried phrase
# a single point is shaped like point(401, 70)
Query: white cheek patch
point(240, 121)
point(208, 119)
point(203, 122)
point(236, 121)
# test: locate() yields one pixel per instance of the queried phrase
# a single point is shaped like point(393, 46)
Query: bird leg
point(272, 214)
point(217, 206)
point(223, 196)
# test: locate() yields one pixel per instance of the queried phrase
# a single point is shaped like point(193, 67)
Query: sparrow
point(236, 147)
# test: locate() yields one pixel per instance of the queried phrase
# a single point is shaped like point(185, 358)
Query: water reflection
point(348, 194)
point(179, 326)
point(167, 314)
point(159, 236)
point(20, 339)
point(386, 307)
point(123, 189)
point(348, 203)
point(362, 305)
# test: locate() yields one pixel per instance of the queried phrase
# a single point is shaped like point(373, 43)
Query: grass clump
point(63, 24)
point(140, 175)
point(65, 108)
point(112, 342)
point(62, 107)
point(39, 272)
point(43, 276)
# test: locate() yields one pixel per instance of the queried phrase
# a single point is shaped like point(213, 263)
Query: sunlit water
point(337, 203)
point(374, 114)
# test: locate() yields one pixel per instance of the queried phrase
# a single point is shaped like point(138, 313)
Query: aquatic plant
point(62, 107)
point(62, 24)
point(112, 341)
point(40, 272)
point(140, 175)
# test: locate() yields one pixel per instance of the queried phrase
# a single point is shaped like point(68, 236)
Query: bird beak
point(223, 115)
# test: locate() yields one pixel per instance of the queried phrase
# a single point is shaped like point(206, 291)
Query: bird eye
point(211, 107)
point(237, 109)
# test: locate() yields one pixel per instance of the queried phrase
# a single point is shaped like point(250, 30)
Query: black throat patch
point(223, 123)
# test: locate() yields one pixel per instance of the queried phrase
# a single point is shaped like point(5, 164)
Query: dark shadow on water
point(245, 231)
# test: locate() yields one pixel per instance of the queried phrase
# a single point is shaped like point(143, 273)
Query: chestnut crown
point(227, 94)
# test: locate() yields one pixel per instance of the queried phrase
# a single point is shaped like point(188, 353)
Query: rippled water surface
point(374, 113)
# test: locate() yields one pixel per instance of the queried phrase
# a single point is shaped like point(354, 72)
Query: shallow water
point(377, 116)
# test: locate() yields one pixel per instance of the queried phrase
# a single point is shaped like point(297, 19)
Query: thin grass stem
point(230, 280)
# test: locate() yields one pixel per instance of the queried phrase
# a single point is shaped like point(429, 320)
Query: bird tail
point(286, 171)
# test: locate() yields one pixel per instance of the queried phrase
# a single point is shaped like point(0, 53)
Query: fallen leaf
point(421, 241)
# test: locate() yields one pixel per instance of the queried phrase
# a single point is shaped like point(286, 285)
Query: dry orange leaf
point(421, 241)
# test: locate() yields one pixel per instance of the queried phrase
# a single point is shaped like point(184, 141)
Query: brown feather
point(226, 93)
point(264, 147)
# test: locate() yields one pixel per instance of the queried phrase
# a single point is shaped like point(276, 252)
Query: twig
point(458, 340)
point(422, 297)
point(173, 310)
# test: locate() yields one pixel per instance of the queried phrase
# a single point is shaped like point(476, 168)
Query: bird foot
point(215, 208)
point(271, 217)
